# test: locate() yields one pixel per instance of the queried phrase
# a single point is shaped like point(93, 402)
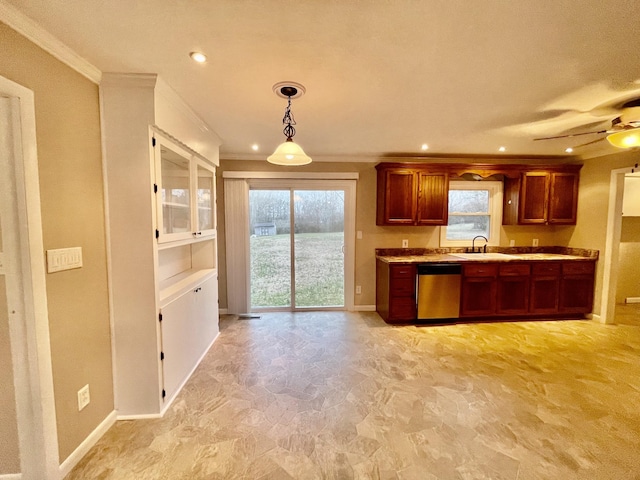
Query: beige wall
point(69, 158)
point(374, 236)
point(593, 203)
point(9, 447)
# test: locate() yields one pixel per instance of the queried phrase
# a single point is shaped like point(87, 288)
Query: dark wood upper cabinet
point(433, 198)
point(398, 203)
point(418, 193)
point(563, 198)
point(542, 197)
point(411, 196)
point(534, 198)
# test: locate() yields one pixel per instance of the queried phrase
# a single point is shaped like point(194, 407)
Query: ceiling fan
point(623, 133)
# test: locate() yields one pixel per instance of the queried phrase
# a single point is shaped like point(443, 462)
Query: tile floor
point(339, 395)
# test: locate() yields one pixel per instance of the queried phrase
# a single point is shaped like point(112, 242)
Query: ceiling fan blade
point(571, 135)
point(591, 142)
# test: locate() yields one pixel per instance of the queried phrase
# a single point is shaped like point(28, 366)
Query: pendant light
point(288, 153)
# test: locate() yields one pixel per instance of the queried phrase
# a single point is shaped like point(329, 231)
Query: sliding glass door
point(297, 244)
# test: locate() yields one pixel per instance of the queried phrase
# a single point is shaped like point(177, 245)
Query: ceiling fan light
point(289, 153)
point(625, 138)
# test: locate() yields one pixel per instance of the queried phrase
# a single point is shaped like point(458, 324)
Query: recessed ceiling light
point(425, 146)
point(198, 57)
point(502, 149)
point(568, 150)
point(255, 147)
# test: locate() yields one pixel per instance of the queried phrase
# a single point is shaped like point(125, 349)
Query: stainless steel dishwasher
point(439, 290)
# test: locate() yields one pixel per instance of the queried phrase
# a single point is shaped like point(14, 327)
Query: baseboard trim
point(223, 311)
point(11, 476)
point(632, 300)
point(142, 416)
point(364, 308)
point(77, 455)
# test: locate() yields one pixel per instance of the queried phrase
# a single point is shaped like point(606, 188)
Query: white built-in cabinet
point(160, 208)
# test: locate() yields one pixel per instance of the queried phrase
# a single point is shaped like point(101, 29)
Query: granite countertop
point(494, 254)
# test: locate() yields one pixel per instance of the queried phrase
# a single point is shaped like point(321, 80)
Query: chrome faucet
point(473, 246)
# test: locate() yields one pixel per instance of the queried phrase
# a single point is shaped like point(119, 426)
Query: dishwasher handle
point(440, 269)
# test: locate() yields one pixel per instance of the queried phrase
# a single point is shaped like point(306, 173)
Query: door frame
point(612, 244)
point(29, 322)
point(237, 235)
point(349, 188)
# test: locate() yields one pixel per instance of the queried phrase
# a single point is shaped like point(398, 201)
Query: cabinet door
point(563, 198)
point(545, 288)
point(513, 289)
point(478, 296)
point(576, 287)
point(400, 197)
point(205, 211)
point(174, 192)
point(534, 198)
point(433, 194)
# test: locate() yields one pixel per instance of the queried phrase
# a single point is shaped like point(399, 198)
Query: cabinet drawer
point(546, 268)
point(403, 308)
point(578, 268)
point(515, 269)
point(480, 270)
point(403, 271)
point(403, 287)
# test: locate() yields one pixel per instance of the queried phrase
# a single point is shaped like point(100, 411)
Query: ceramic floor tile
point(337, 395)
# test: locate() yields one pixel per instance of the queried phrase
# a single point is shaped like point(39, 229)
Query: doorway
point(297, 248)
point(240, 231)
point(31, 427)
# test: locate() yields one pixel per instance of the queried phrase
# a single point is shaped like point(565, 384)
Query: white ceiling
point(382, 76)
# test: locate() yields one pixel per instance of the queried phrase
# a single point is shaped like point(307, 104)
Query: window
point(475, 208)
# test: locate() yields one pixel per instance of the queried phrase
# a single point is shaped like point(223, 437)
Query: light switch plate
point(64, 259)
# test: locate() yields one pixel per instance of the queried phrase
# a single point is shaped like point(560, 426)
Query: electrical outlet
point(359, 234)
point(358, 290)
point(535, 242)
point(83, 397)
point(512, 243)
point(405, 243)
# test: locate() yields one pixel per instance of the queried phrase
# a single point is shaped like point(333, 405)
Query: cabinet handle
point(196, 233)
point(197, 290)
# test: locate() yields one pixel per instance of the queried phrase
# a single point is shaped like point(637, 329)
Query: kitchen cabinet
point(576, 287)
point(479, 286)
point(542, 198)
point(185, 190)
point(188, 326)
point(513, 288)
point(160, 192)
point(396, 292)
point(411, 195)
point(545, 288)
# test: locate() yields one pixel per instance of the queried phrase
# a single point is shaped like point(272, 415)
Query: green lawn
point(319, 270)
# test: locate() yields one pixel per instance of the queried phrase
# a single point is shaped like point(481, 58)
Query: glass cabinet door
point(174, 192)
point(205, 194)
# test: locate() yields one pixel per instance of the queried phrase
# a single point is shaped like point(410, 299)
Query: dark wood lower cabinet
point(513, 289)
point(576, 287)
point(396, 292)
point(499, 290)
point(478, 296)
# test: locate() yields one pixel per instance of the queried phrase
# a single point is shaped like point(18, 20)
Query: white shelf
point(173, 287)
point(186, 241)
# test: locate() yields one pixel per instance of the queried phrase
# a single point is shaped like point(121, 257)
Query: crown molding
point(38, 35)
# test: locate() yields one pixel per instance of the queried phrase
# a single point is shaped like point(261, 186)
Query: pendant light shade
point(625, 138)
point(289, 153)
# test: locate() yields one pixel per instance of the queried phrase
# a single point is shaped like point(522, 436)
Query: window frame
point(495, 189)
